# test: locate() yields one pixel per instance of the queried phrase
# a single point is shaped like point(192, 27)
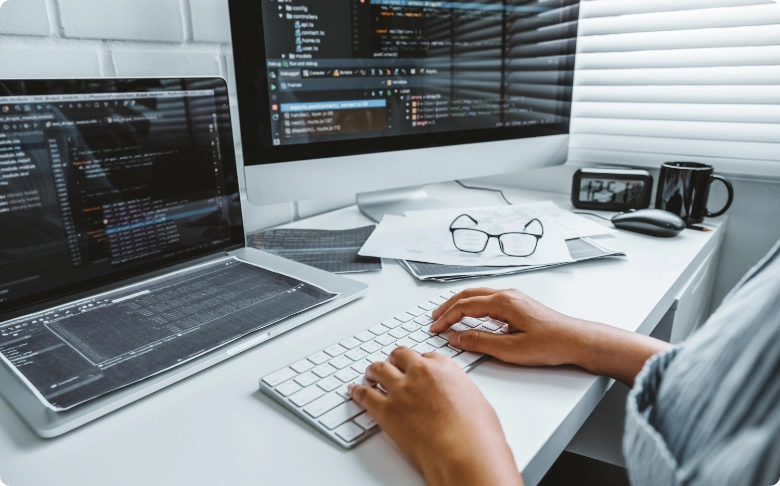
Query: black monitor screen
point(321, 79)
point(104, 179)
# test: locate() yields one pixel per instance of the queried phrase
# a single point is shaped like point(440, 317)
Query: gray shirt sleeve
point(708, 412)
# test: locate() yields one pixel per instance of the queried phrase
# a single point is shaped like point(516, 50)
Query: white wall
point(126, 38)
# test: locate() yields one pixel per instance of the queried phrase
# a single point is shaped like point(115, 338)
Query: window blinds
point(664, 80)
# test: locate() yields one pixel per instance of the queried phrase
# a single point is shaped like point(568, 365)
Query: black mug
point(684, 189)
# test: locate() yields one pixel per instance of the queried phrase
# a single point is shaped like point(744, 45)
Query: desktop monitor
point(350, 96)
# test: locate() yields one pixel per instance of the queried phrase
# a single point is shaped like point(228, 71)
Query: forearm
point(618, 354)
point(475, 470)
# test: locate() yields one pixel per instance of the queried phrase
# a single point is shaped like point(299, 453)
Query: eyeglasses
point(515, 244)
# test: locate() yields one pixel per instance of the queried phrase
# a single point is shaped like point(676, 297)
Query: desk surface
point(217, 428)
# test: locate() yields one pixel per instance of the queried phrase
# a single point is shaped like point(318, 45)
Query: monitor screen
point(345, 77)
point(104, 179)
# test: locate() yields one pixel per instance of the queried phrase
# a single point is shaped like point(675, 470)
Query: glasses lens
point(469, 240)
point(517, 244)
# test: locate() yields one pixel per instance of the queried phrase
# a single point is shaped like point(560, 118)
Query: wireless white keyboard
point(315, 388)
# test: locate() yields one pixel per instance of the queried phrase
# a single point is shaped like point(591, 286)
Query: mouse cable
point(591, 214)
point(485, 189)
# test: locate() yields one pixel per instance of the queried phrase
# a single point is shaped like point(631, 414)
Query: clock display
point(610, 191)
point(611, 188)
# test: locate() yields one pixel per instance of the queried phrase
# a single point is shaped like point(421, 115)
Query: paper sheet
point(581, 249)
point(568, 224)
point(428, 239)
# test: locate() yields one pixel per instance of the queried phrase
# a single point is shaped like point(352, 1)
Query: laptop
point(123, 258)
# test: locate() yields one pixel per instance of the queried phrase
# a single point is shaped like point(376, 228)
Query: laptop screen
point(105, 179)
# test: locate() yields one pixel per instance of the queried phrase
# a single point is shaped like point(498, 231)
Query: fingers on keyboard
point(317, 386)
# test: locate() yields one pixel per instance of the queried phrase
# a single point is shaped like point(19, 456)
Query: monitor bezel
point(251, 74)
point(42, 87)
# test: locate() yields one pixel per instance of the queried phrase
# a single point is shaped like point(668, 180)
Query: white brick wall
point(125, 38)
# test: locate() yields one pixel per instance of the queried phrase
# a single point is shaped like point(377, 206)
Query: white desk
point(216, 428)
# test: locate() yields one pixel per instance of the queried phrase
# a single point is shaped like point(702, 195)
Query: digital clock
point(611, 189)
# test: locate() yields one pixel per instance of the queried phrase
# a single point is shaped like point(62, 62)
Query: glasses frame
point(498, 236)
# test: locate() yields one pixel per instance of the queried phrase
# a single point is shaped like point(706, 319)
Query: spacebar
point(341, 414)
point(466, 358)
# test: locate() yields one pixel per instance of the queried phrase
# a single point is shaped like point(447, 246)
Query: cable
point(485, 189)
point(591, 214)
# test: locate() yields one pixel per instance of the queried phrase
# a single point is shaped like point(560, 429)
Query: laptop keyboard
point(315, 388)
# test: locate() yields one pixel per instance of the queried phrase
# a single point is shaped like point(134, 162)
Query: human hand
point(537, 335)
point(439, 419)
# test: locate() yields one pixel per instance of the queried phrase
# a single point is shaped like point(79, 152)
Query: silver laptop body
point(28, 106)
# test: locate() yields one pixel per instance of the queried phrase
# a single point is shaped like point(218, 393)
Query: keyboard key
point(319, 357)
point(379, 329)
point(427, 330)
point(491, 326)
point(372, 347)
point(429, 306)
point(350, 343)
point(398, 333)
point(335, 350)
point(356, 354)
point(439, 300)
point(361, 380)
point(329, 384)
point(364, 336)
point(406, 342)
point(307, 379)
point(447, 351)
point(419, 336)
point(437, 342)
point(347, 374)
point(361, 365)
point(471, 322)
point(324, 370)
point(342, 413)
point(278, 377)
point(405, 317)
point(340, 362)
point(344, 391)
point(288, 388)
point(386, 339)
point(323, 404)
point(460, 327)
point(302, 365)
point(416, 311)
point(367, 421)
point(388, 349)
point(466, 358)
point(445, 334)
point(424, 320)
point(423, 348)
point(349, 432)
point(373, 358)
point(410, 326)
point(392, 323)
point(306, 395)
point(504, 329)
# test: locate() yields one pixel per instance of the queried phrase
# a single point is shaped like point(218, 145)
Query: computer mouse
point(653, 222)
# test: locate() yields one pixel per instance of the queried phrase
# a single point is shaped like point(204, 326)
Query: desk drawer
point(692, 305)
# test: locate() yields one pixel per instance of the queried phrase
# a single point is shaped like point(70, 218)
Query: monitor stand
point(396, 201)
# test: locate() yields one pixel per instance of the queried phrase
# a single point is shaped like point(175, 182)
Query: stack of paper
point(580, 249)
point(423, 244)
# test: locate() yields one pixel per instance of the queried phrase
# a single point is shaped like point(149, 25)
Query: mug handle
point(730, 190)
